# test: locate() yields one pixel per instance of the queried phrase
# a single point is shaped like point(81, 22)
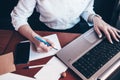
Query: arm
point(26, 31)
point(19, 15)
point(99, 24)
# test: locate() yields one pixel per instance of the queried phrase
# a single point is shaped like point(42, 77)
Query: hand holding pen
point(43, 44)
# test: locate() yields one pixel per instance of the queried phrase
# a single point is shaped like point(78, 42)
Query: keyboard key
point(98, 56)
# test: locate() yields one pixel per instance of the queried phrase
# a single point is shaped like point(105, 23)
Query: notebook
point(12, 76)
point(36, 55)
point(90, 57)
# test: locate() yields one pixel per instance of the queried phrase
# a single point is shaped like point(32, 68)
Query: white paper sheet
point(12, 76)
point(35, 55)
point(52, 70)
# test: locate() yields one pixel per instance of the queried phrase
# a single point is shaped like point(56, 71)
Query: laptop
point(90, 57)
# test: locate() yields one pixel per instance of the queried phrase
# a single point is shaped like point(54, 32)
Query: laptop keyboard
point(94, 59)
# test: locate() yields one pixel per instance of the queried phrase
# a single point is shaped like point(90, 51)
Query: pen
point(35, 66)
point(44, 41)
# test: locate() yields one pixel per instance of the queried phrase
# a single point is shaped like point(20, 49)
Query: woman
point(59, 15)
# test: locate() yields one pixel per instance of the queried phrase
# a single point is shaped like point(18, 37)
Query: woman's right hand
point(40, 46)
point(27, 31)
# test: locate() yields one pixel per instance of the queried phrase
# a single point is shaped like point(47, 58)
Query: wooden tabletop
point(5, 37)
point(9, 39)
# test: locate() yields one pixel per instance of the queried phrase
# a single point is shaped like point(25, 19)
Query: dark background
point(104, 8)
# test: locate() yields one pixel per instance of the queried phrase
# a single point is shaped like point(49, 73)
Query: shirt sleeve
point(88, 11)
point(21, 12)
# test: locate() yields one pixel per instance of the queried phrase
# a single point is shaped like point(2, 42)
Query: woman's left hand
point(110, 32)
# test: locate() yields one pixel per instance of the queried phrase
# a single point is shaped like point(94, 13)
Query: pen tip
point(55, 48)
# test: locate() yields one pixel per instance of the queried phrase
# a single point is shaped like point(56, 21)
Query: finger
point(98, 32)
point(43, 47)
point(113, 34)
point(107, 34)
point(49, 41)
point(51, 44)
point(116, 33)
point(117, 30)
point(39, 50)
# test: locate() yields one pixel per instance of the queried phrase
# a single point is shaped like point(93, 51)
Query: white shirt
point(56, 14)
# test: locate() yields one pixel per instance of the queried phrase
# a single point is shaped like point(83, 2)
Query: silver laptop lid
point(78, 47)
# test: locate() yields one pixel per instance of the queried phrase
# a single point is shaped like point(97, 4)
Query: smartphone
point(21, 53)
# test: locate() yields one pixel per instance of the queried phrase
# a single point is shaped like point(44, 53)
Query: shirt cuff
point(85, 16)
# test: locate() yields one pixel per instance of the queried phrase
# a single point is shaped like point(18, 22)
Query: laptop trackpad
point(91, 36)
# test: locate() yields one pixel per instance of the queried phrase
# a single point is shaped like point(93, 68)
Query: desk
point(15, 38)
point(5, 36)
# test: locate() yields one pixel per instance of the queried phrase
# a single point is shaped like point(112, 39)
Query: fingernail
point(100, 36)
point(117, 40)
point(111, 42)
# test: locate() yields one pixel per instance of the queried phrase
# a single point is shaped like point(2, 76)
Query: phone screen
point(21, 54)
